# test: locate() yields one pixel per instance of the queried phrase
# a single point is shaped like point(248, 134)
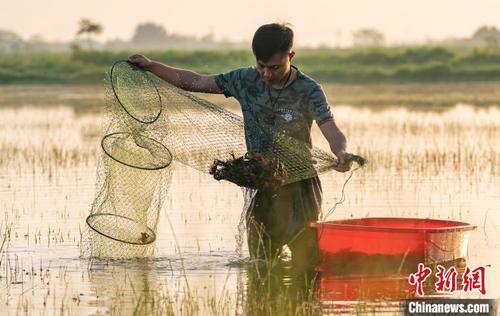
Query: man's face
point(276, 68)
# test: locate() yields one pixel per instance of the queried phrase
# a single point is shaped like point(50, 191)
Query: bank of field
point(84, 98)
point(388, 65)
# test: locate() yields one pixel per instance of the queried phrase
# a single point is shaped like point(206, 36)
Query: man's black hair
point(270, 39)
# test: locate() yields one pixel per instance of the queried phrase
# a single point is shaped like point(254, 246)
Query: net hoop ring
point(130, 165)
point(90, 221)
point(136, 68)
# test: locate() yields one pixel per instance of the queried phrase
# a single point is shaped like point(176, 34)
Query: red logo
point(474, 280)
point(446, 279)
point(419, 277)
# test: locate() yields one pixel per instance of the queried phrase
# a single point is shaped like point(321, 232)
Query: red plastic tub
point(381, 245)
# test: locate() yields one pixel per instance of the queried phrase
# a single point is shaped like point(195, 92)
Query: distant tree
point(37, 42)
point(488, 35)
point(149, 34)
point(86, 26)
point(117, 44)
point(10, 41)
point(37, 39)
point(368, 38)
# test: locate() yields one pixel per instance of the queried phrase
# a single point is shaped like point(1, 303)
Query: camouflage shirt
point(290, 111)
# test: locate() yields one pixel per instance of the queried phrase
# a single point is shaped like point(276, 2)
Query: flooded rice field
point(440, 163)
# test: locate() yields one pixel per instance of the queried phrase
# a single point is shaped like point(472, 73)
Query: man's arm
point(337, 141)
point(181, 78)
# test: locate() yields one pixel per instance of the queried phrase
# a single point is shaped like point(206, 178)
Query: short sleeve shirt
point(289, 111)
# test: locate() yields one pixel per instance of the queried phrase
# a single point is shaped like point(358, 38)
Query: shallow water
point(438, 164)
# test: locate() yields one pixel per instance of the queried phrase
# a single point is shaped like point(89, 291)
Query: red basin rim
point(345, 225)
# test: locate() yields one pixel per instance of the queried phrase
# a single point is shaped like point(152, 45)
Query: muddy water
point(443, 164)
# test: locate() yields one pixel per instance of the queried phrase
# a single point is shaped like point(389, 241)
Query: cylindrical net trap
point(134, 174)
point(126, 210)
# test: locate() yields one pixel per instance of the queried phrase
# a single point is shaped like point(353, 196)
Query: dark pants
point(280, 218)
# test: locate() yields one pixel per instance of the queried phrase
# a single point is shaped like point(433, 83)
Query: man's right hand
point(141, 61)
point(184, 79)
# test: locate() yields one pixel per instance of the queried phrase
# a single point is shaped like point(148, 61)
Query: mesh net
point(136, 151)
point(135, 92)
point(150, 123)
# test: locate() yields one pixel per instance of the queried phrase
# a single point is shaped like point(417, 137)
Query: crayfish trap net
point(150, 123)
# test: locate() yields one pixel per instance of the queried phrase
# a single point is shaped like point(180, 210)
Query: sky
point(315, 22)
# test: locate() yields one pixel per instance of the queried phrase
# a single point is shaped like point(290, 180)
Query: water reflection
point(279, 286)
point(356, 290)
point(252, 288)
point(332, 288)
point(125, 286)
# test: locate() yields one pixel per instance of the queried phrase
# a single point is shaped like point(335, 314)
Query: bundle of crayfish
point(263, 171)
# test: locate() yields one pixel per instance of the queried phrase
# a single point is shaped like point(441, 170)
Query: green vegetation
point(391, 65)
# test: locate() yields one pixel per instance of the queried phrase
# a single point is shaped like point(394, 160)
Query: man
point(274, 95)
